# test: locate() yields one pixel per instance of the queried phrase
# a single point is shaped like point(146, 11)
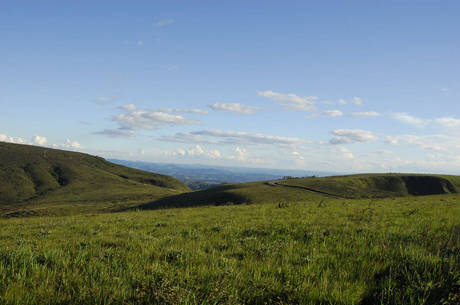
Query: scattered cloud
point(409, 119)
point(140, 119)
point(39, 140)
point(164, 22)
point(19, 140)
point(234, 107)
point(230, 137)
point(426, 142)
point(342, 101)
point(195, 111)
point(364, 114)
point(357, 100)
point(350, 136)
point(195, 151)
point(444, 89)
point(346, 153)
point(241, 154)
point(140, 43)
point(291, 101)
point(448, 122)
point(333, 113)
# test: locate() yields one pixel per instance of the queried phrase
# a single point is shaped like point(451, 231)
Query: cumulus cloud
point(350, 136)
point(291, 101)
point(69, 144)
point(164, 22)
point(195, 151)
point(364, 114)
point(333, 113)
point(39, 140)
point(409, 119)
point(230, 137)
point(342, 101)
point(233, 107)
point(241, 154)
point(139, 119)
point(19, 140)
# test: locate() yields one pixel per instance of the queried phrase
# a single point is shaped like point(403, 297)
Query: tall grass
point(380, 251)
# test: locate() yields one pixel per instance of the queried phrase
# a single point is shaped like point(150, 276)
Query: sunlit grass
point(385, 251)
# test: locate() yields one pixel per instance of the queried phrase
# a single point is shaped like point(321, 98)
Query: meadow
point(402, 250)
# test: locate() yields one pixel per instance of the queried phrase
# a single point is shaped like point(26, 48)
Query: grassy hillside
point(314, 190)
point(32, 175)
point(240, 193)
point(379, 185)
point(380, 251)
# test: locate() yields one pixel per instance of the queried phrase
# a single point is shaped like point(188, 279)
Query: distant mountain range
point(198, 176)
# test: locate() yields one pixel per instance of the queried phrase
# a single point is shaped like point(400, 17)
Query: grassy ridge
point(252, 192)
point(380, 185)
point(333, 251)
point(297, 190)
point(32, 175)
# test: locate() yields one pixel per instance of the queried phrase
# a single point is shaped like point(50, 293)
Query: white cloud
point(357, 100)
point(139, 119)
point(346, 153)
point(19, 140)
point(38, 140)
point(444, 89)
point(140, 43)
point(195, 111)
point(426, 142)
point(196, 151)
point(164, 22)
point(241, 154)
point(448, 122)
point(342, 101)
point(333, 113)
point(233, 107)
point(230, 137)
point(72, 144)
point(291, 101)
point(409, 119)
point(365, 114)
point(350, 136)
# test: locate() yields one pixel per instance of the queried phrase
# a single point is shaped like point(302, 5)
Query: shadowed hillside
point(379, 185)
point(43, 175)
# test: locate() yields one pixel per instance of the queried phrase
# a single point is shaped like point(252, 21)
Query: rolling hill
point(315, 189)
point(38, 175)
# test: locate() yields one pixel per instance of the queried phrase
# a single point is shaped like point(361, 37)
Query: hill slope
point(37, 175)
point(379, 185)
point(315, 190)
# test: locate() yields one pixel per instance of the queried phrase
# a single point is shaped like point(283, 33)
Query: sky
point(341, 86)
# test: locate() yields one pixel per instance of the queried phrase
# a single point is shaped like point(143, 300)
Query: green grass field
point(320, 251)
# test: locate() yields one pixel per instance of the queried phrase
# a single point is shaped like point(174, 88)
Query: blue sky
point(353, 86)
